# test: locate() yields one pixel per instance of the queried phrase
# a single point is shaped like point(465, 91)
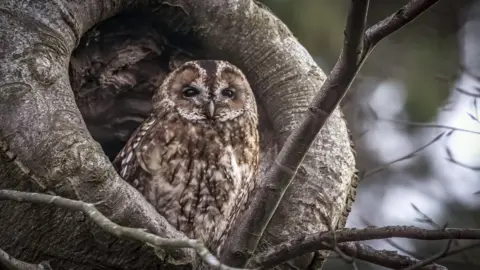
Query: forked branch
point(386, 258)
point(344, 240)
point(113, 228)
point(310, 243)
point(358, 44)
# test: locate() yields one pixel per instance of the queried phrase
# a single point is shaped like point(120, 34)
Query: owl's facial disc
point(208, 90)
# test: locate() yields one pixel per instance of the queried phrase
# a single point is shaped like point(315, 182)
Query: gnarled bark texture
point(113, 72)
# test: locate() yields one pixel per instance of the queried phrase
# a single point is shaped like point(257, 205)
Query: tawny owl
point(195, 157)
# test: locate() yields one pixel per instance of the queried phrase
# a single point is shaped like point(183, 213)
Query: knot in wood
point(44, 66)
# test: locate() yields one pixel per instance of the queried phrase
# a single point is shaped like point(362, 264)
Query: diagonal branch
point(247, 232)
point(113, 228)
point(244, 240)
point(397, 20)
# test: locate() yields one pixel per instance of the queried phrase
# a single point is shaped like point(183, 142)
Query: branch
point(433, 258)
point(466, 92)
point(246, 234)
point(385, 258)
point(57, 152)
point(397, 20)
point(249, 231)
point(443, 254)
point(427, 125)
point(452, 159)
point(310, 243)
point(113, 228)
point(11, 263)
point(450, 129)
point(405, 157)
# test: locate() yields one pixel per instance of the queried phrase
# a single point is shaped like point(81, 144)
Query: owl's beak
point(211, 109)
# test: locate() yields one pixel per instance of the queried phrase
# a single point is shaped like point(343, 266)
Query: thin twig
point(246, 234)
point(397, 20)
point(385, 258)
point(436, 257)
point(452, 159)
point(313, 242)
point(106, 224)
point(466, 92)
point(405, 157)
point(11, 263)
point(432, 259)
point(390, 241)
point(428, 125)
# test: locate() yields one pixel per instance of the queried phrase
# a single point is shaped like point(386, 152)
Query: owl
point(195, 157)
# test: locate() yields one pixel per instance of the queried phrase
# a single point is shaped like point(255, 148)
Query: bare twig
point(247, 233)
point(451, 129)
point(390, 241)
point(275, 255)
point(397, 20)
point(441, 255)
point(427, 125)
point(11, 263)
point(425, 218)
point(466, 92)
point(452, 159)
point(432, 258)
point(385, 258)
point(113, 228)
point(310, 243)
point(405, 157)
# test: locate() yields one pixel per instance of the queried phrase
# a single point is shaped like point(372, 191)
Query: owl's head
point(206, 90)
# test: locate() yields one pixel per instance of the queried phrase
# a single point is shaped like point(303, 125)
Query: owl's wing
point(126, 163)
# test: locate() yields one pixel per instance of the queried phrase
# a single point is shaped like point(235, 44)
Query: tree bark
point(48, 146)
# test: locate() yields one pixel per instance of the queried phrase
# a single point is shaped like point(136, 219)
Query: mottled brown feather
point(198, 171)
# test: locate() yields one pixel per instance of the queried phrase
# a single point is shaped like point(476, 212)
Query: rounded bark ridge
point(77, 80)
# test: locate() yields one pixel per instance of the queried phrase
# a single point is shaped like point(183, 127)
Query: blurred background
point(413, 112)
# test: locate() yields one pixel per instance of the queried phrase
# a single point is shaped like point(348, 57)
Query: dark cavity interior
point(115, 70)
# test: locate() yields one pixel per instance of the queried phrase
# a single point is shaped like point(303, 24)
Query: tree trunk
point(113, 72)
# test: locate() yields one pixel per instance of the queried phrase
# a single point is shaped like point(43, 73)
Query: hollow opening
point(118, 65)
point(115, 70)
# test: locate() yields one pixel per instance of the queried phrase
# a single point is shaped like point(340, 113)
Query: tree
point(47, 147)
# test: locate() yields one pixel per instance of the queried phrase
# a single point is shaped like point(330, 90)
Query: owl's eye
point(189, 92)
point(227, 92)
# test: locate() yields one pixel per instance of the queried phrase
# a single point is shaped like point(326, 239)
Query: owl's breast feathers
point(198, 175)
